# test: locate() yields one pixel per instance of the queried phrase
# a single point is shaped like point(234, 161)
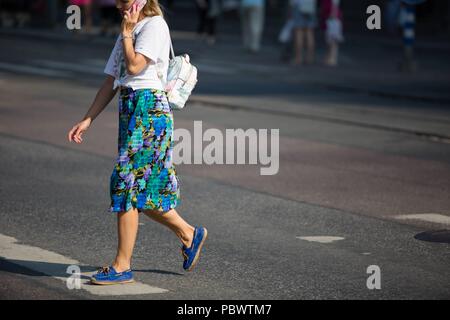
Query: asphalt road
point(352, 179)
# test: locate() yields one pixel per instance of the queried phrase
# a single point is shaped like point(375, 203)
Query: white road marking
point(428, 217)
point(32, 70)
point(242, 67)
point(55, 265)
point(69, 66)
point(99, 63)
point(215, 69)
point(321, 239)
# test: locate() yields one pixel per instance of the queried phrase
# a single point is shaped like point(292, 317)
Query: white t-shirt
point(152, 39)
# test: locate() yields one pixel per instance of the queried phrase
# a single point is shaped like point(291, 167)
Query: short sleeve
point(150, 39)
point(111, 67)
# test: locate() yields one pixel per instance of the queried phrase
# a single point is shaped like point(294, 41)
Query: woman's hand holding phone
point(140, 4)
point(131, 17)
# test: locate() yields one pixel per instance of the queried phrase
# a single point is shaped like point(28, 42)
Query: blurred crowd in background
point(297, 21)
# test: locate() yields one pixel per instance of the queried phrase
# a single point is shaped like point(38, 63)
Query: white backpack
point(181, 79)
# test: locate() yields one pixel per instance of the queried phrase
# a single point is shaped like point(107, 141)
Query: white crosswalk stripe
point(20, 68)
point(214, 69)
point(70, 66)
point(95, 67)
point(58, 69)
point(321, 239)
point(55, 265)
point(427, 217)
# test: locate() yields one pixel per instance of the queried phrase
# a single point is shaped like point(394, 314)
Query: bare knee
point(156, 213)
point(151, 212)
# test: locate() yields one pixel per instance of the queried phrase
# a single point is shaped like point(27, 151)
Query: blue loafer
point(109, 275)
point(192, 254)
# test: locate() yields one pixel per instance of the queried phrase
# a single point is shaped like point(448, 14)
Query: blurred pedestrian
point(86, 8)
point(304, 15)
point(252, 19)
point(208, 11)
point(110, 17)
point(286, 34)
point(408, 24)
point(16, 13)
point(331, 23)
point(392, 10)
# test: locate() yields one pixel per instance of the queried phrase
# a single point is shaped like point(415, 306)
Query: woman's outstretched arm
point(104, 96)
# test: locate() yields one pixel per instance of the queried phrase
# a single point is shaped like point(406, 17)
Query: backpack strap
point(171, 48)
point(172, 52)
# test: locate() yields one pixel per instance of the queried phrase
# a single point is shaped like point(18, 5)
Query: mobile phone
point(139, 5)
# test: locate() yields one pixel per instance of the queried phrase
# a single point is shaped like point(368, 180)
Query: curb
point(432, 136)
point(387, 94)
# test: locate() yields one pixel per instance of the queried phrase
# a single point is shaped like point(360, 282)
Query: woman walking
point(305, 21)
point(331, 23)
point(252, 19)
point(109, 17)
point(144, 178)
point(208, 11)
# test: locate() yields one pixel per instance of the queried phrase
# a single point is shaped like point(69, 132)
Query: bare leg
point(311, 45)
point(332, 55)
point(171, 219)
point(127, 227)
point(88, 17)
point(256, 26)
point(335, 53)
point(245, 28)
point(298, 46)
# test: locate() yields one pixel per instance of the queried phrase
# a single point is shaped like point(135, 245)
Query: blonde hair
point(153, 8)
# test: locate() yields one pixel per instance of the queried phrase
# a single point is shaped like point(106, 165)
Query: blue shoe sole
point(197, 255)
point(93, 281)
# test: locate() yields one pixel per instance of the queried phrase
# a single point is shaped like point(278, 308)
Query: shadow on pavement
point(49, 269)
